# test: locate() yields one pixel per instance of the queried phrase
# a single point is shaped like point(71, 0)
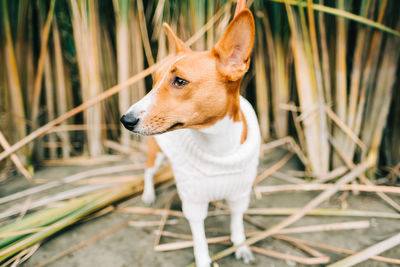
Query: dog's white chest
point(203, 176)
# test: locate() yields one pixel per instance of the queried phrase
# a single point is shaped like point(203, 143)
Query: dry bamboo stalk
point(301, 246)
point(262, 89)
point(25, 254)
point(309, 113)
point(327, 227)
point(108, 179)
point(225, 240)
point(284, 256)
point(283, 141)
point(325, 57)
point(368, 67)
point(70, 179)
point(317, 146)
point(316, 187)
point(174, 235)
point(162, 212)
point(123, 58)
point(24, 209)
point(273, 168)
point(14, 84)
point(107, 93)
point(15, 159)
point(368, 252)
point(339, 171)
point(151, 223)
point(164, 219)
point(219, 239)
point(119, 147)
point(279, 78)
point(48, 85)
point(58, 197)
point(83, 160)
point(40, 67)
point(161, 177)
point(362, 176)
point(345, 128)
point(288, 178)
point(83, 244)
point(268, 211)
point(299, 152)
point(158, 19)
point(356, 76)
point(210, 34)
point(29, 254)
point(323, 212)
point(148, 211)
point(345, 251)
point(291, 240)
point(210, 23)
point(301, 137)
point(394, 171)
point(341, 73)
point(27, 231)
point(78, 127)
point(47, 127)
point(188, 244)
point(96, 201)
point(99, 213)
point(137, 62)
point(320, 98)
point(276, 143)
point(299, 214)
point(379, 110)
point(61, 94)
point(145, 35)
point(94, 84)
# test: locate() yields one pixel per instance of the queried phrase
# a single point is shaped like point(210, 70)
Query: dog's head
point(195, 89)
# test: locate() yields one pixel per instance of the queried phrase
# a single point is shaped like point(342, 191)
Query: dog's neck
point(222, 138)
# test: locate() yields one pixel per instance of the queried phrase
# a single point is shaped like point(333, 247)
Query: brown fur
point(152, 150)
point(214, 79)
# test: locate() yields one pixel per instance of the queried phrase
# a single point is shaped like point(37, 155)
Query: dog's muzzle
point(129, 121)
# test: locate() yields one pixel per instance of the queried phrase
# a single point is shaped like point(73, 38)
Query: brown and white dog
point(208, 132)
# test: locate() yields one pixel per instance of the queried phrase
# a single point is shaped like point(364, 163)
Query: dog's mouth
point(150, 133)
point(174, 126)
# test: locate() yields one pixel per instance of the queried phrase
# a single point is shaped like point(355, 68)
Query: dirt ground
point(133, 246)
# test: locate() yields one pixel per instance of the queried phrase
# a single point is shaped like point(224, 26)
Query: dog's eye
point(179, 82)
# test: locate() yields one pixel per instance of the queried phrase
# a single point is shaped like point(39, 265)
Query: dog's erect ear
point(233, 50)
point(175, 44)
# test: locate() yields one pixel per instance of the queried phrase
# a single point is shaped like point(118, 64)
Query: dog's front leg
point(196, 213)
point(238, 207)
point(154, 160)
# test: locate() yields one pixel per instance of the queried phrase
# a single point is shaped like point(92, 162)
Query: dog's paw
point(148, 197)
point(244, 253)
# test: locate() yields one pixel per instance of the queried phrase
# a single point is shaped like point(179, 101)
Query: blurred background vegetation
point(324, 72)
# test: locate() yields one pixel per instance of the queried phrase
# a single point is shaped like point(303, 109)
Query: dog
point(210, 134)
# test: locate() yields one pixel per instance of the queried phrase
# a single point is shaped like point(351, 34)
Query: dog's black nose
point(129, 121)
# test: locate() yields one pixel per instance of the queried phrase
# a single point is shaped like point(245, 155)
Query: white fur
point(221, 138)
point(149, 196)
point(211, 164)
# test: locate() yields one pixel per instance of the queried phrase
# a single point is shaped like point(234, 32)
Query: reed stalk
point(60, 88)
point(123, 56)
point(84, 21)
point(13, 79)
